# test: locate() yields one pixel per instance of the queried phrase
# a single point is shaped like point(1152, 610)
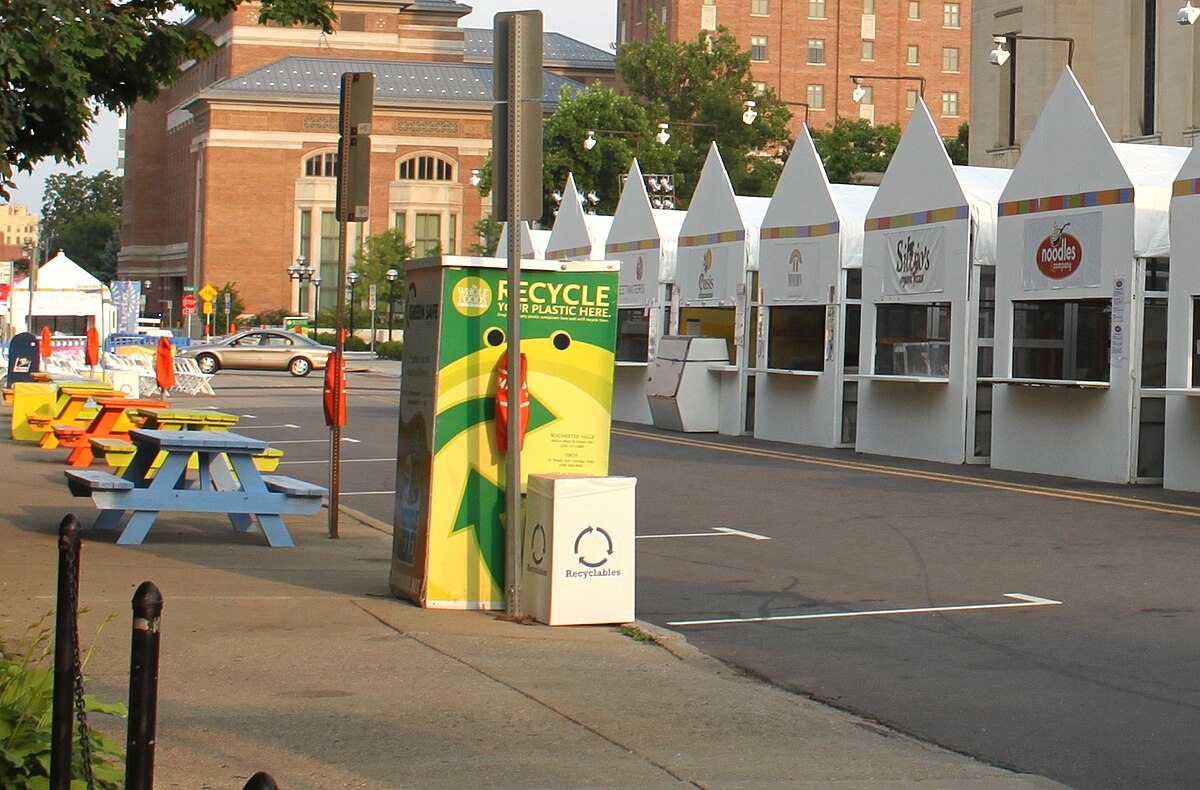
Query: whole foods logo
point(1060, 254)
point(795, 278)
point(706, 281)
point(472, 296)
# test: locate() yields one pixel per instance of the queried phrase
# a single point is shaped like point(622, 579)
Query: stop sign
point(188, 301)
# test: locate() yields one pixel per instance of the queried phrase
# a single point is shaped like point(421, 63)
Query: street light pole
point(352, 278)
point(392, 275)
point(316, 281)
point(300, 272)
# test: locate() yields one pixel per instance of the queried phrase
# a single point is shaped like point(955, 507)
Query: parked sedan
point(261, 349)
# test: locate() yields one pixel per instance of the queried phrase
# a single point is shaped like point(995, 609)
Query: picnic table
point(68, 409)
point(228, 482)
point(111, 422)
point(176, 419)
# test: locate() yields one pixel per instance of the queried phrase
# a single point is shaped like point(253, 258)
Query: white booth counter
point(1181, 460)
point(718, 247)
point(576, 235)
point(645, 241)
point(533, 242)
point(1081, 300)
point(928, 269)
point(809, 296)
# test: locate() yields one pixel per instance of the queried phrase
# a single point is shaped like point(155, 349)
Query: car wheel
point(299, 366)
point(208, 363)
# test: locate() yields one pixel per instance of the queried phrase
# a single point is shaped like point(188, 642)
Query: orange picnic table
point(72, 398)
point(111, 422)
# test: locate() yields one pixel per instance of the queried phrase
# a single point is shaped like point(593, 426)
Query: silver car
point(261, 349)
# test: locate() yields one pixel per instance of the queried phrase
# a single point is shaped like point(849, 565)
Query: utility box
point(578, 555)
point(684, 394)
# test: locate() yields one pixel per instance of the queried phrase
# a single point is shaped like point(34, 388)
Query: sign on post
point(188, 303)
point(354, 146)
point(517, 86)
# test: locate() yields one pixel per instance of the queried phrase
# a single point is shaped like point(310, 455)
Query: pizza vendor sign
point(916, 261)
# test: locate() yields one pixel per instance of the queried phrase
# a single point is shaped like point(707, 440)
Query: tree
point(700, 87)
point(489, 230)
point(851, 147)
point(959, 145)
point(383, 251)
point(80, 215)
point(62, 60)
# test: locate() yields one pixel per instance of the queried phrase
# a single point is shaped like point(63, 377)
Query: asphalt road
point(1056, 624)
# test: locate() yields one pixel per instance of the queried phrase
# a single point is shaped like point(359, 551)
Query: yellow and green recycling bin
point(448, 546)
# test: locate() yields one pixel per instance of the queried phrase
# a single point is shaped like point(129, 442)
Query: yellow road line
point(941, 477)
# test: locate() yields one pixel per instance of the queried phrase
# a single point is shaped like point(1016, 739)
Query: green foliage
point(851, 147)
point(489, 230)
point(267, 318)
point(390, 349)
point(222, 319)
point(353, 342)
point(958, 145)
point(80, 215)
point(26, 707)
point(62, 60)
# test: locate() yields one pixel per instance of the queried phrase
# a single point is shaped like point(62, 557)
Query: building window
point(305, 231)
point(760, 88)
point(816, 9)
point(816, 97)
point(758, 48)
point(426, 168)
point(868, 98)
point(950, 104)
point(912, 339)
point(327, 266)
point(759, 8)
point(910, 99)
point(914, 55)
point(868, 50)
point(399, 221)
point(428, 239)
point(914, 9)
point(323, 165)
point(1062, 339)
point(950, 59)
point(816, 50)
point(951, 14)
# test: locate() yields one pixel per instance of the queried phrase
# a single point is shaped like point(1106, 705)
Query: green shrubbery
point(26, 708)
point(390, 349)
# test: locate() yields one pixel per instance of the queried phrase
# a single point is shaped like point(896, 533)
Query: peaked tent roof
point(573, 229)
point(716, 208)
point(920, 175)
point(62, 274)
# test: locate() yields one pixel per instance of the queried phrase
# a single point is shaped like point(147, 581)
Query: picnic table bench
point(111, 421)
point(69, 408)
point(228, 482)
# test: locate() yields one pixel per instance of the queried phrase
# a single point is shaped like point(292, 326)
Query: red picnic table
point(111, 422)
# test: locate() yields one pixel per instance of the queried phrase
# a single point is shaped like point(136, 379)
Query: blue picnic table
point(227, 481)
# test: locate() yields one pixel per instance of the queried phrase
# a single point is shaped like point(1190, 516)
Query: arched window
point(426, 168)
point(322, 165)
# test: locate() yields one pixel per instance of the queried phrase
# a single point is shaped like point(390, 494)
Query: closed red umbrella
point(334, 395)
point(164, 365)
point(44, 344)
point(91, 354)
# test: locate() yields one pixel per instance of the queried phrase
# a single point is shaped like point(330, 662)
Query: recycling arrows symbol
point(536, 551)
point(585, 560)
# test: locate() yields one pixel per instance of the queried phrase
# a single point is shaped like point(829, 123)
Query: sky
point(590, 21)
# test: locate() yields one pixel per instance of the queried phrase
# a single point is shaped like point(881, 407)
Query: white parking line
point(718, 532)
point(317, 441)
point(1025, 602)
point(344, 460)
point(256, 427)
point(364, 493)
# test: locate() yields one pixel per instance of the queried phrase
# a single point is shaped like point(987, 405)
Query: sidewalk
point(300, 663)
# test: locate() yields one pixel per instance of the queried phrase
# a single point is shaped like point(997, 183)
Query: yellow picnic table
point(176, 419)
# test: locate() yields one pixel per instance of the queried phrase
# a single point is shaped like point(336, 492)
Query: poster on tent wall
point(639, 273)
point(1062, 251)
point(704, 275)
point(127, 298)
point(916, 261)
point(790, 269)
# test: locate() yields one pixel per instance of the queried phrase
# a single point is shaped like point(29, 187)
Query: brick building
point(229, 174)
point(807, 50)
point(17, 226)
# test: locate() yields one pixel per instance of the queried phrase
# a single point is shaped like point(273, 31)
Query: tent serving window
point(796, 339)
point(633, 335)
point(1062, 339)
point(912, 339)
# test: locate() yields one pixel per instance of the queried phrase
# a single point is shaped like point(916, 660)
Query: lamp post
point(316, 281)
point(392, 275)
point(352, 279)
point(300, 273)
point(999, 56)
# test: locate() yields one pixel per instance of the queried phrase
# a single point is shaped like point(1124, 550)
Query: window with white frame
point(758, 48)
point(868, 51)
point(914, 9)
point(912, 339)
point(816, 50)
point(951, 14)
point(425, 167)
point(910, 98)
point(816, 97)
point(868, 97)
point(428, 235)
point(914, 55)
point(816, 9)
point(950, 104)
point(759, 8)
point(950, 59)
point(322, 165)
point(1062, 339)
point(760, 88)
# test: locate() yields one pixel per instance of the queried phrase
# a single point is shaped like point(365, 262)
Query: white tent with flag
point(66, 298)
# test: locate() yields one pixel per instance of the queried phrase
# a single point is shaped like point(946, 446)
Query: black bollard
point(261, 781)
point(65, 631)
point(143, 688)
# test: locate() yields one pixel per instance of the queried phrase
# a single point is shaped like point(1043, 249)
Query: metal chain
point(80, 707)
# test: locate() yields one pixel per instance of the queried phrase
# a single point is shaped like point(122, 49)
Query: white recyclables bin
point(578, 556)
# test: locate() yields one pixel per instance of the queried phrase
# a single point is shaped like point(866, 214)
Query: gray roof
point(441, 5)
point(557, 49)
point(399, 81)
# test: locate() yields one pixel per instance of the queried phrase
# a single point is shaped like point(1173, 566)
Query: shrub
point(390, 349)
point(353, 343)
point(26, 710)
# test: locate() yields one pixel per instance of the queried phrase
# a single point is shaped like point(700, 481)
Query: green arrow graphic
point(480, 509)
point(466, 415)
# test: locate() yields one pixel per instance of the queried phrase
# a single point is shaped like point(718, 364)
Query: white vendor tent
point(576, 235)
point(928, 263)
point(66, 298)
point(533, 242)
point(1084, 234)
point(810, 246)
point(718, 245)
point(645, 241)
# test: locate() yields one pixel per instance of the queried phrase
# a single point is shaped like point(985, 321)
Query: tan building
point(18, 226)
point(1136, 62)
point(807, 50)
point(229, 175)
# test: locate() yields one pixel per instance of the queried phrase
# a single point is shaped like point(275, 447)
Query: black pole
point(352, 309)
point(391, 307)
point(62, 711)
point(261, 781)
point(143, 688)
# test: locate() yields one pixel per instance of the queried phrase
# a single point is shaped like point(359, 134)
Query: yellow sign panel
point(207, 293)
point(206, 306)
